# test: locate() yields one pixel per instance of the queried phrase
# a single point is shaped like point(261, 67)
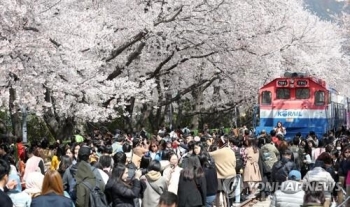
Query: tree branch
point(127, 44)
point(170, 19)
point(63, 78)
point(187, 90)
point(215, 111)
point(135, 54)
point(55, 43)
point(160, 66)
point(185, 60)
point(31, 29)
point(118, 70)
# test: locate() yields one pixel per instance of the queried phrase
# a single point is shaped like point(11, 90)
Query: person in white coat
point(172, 174)
point(291, 193)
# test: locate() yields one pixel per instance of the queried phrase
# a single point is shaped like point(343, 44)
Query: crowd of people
point(177, 168)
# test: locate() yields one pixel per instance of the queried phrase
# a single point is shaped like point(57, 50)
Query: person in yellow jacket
point(54, 163)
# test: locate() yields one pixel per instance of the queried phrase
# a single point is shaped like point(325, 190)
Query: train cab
point(302, 103)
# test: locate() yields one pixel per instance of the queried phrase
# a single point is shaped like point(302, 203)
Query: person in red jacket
point(21, 149)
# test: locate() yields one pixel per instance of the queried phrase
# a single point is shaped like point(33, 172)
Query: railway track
point(249, 202)
point(252, 202)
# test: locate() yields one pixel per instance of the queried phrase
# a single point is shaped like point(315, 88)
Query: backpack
point(97, 198)
point(239, 160)
point(266, 156)
point(71, 184)
point(295, 151)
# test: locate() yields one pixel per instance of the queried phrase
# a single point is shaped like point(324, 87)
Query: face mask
point(339, 148)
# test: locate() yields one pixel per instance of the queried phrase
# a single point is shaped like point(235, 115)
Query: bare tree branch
point(31, 29)
point(169, 19)
point(118, 70)
point(63, 78)
point(160, 66)
point(187, 90)
point(185, 60)
point(55, 43)
point(215, 110)
point(50, 7)
point(127, 44)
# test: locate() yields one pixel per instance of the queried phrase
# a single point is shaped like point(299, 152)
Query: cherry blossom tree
point(99, 60)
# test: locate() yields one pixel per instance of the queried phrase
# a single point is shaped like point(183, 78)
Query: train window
point(302, 93)
point(319, 98)
point(266, 97)
point(283, 93)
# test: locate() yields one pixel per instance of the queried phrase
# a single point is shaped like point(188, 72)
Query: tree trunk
point(130, 110)
point(197, 99)
point(59, 128)
point(179, 114)
point(15, 115)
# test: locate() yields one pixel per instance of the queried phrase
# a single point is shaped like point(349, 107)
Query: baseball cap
point(294, 175)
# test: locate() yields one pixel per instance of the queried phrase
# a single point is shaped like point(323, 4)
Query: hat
point(294, 175)
point(84, 151)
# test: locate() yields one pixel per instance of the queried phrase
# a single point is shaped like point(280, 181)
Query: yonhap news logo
point(231, 184)
point(296, 186)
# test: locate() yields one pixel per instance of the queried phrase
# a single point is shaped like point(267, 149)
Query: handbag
point(147, 177)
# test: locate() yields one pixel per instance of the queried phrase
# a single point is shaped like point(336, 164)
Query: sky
point(327, 9)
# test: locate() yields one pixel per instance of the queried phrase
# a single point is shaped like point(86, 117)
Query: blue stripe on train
point(293, 126)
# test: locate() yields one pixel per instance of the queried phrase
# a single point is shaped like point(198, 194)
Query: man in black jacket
point(5, 200)
point(281, 168)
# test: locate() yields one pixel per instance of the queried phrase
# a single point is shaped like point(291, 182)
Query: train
point(303, 104)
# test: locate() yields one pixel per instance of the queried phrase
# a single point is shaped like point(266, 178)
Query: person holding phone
point(119, 191)
point(172, 173)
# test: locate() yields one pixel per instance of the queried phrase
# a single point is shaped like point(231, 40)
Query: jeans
point(209, 200)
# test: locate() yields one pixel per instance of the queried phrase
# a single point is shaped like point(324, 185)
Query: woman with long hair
point(280, 129)
point(154, 151)
point(119, 192)
point(119, 158)
point(310, 158)
point(66, 161)
point(52, 192)
point(192, 177)
point(74, 150)
point(251, 172)
point(211, 178)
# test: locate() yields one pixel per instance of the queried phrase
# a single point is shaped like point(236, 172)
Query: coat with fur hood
point(154, 185)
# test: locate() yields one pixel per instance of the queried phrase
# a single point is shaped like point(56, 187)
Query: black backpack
point(97, 198)
point(239, 160)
